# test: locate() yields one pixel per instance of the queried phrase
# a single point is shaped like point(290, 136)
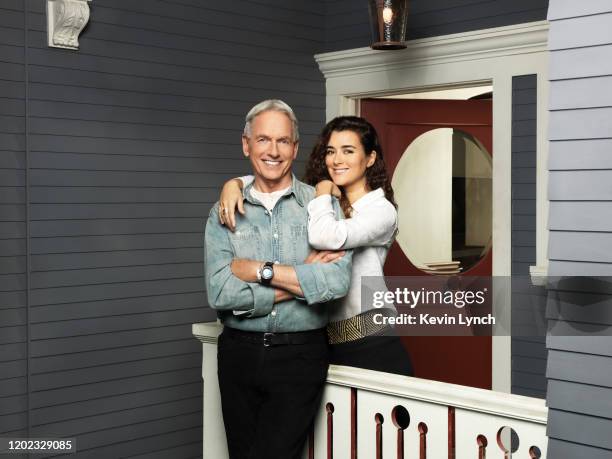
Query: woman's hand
point(324, 256)
point(230, 200)
point(327, 187)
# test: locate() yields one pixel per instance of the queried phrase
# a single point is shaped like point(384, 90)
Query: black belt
point(276, 339)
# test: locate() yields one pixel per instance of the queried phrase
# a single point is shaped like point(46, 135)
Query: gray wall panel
point(597, 345)
point(580, 62)
point(575, 124)
point(588, 185)
point(593, 431)
point(142, 446)
point(127, 401)
point(13, 279)
point(111, 259)
point(117, 339)
point(560, 9)
point(115, 388)
point(83, 310)
point(130, 139)
point(582, 93)
point(528, 355)
point(580, 368)
point(581, 246)
point(562, 268)
point(581, 31)
point(568, 396)
point(565, 450)
point(580, 154)
point(580, 215)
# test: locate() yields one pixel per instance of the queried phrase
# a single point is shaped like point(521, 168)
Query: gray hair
point(272, 105)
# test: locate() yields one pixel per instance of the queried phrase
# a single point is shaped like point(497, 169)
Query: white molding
point(490, 56)
point(66, 19)
point(539, 275)
point(207, 332)
point(468, 46)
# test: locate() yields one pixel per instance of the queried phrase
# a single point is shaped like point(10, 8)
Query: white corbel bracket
point(66, 19)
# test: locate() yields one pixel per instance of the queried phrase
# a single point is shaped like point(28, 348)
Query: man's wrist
point(266, 273)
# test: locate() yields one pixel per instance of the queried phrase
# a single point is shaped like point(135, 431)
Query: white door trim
point(490, 56)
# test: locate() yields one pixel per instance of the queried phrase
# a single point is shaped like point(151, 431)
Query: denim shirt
point(278, 236)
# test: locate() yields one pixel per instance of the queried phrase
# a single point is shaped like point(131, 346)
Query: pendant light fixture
point(388, 20)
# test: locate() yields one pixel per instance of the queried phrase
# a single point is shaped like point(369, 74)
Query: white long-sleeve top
point(369, 232)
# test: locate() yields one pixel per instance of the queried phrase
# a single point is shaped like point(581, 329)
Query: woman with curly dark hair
point(347, 163)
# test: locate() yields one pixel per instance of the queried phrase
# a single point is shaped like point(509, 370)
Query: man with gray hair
point(270, 291)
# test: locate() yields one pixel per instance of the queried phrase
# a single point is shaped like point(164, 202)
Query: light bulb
point(387, 15)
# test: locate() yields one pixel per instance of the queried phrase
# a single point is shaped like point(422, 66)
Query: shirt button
point(275, 236)
point(273, 313)
point(276, 262)
point(267, 213)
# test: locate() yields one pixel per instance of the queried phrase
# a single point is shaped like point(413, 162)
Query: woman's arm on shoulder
point(231, 199)
point(375, 225)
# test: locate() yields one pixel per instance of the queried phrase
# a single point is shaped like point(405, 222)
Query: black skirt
point(378, 352)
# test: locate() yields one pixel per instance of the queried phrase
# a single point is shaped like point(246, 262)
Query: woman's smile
point(347, 161)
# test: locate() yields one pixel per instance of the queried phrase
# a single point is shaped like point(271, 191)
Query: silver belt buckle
point(267, 341)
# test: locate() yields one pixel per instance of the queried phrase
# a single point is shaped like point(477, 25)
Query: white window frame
point(489, 56)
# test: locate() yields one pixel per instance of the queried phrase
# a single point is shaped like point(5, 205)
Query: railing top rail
point(440, 393)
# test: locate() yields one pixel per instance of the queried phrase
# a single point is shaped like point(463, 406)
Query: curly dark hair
point(376, 175)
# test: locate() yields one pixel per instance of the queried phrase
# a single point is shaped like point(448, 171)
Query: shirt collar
point(295, 189)
point(368, 198)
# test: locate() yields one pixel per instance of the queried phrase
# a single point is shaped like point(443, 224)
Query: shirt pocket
point(298, 248)
point(246, 242)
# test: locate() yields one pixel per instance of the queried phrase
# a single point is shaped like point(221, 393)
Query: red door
point(454, 359)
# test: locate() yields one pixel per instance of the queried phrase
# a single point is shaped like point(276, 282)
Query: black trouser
point(380, 353)
point(269, 395)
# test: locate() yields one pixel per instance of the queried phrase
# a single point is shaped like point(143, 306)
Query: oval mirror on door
point(443, 189)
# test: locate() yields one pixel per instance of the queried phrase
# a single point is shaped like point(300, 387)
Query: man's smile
point(271, 162)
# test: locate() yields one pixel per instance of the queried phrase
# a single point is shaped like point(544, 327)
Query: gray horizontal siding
point(580, 379)
point(13, 263)
point(528, 352)
point(347, 21)
point(130, 139)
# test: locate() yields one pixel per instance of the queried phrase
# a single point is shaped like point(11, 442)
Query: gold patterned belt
point(357, 327)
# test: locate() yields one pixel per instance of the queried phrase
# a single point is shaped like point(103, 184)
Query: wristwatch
point(266, 273)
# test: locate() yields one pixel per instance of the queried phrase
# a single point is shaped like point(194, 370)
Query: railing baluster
point(379, 435)
point(482, 446)
point(451, 432)
point(422, 440)
point(401, 420)
point(535, 453)
point(330, 430)
point(353, 423)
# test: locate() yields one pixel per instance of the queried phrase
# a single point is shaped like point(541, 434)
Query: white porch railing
point(364, 415)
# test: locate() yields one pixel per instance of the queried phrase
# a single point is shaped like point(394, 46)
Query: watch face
point(267, 272)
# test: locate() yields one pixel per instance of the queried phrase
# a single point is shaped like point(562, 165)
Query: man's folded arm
point(224, 290)
point(321, 282)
